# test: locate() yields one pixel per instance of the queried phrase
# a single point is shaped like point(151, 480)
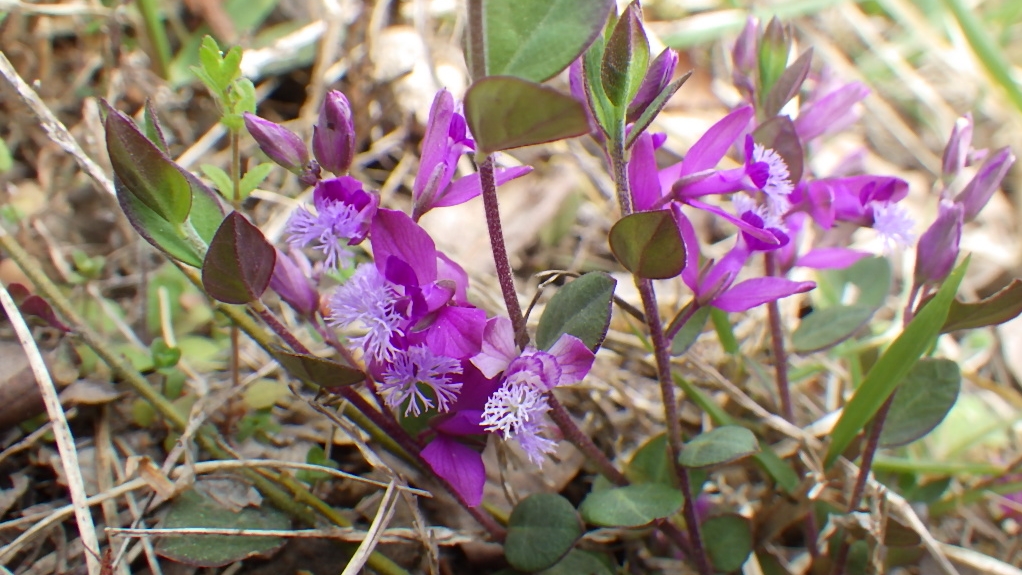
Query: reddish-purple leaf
point(996, 309)
point(625, 58)
point(34, 305)
point(318, 371)
point(239, 263)
point(648, 244)
point(779, 134)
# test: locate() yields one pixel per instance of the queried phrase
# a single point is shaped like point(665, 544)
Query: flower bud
point(774, 47)
point(743, 57)
point(938, 246)
point(657, 77)
point(292, 285)
point(281, 145)
point(333, 137)
point(956, 153)
point(982, 187)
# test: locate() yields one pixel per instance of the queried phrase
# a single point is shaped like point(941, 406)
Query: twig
point(61, 431)
point(383, 516)
point(54, 129)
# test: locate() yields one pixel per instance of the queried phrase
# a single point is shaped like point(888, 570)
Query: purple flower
point(657, 77)
point(830, 113)
point(959, 145)
point(458, 463)
point(516, 408)
point(370, 300)
point(343, 213)
point(446, 139)
point(291, 282)
point(938, 246)
point(861, 200)
point(981, 188)
point(744, 57)
point(333, 136)
point(283, 147)
point(714, 283)
point(414, 369)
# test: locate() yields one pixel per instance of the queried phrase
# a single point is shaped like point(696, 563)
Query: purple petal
point(823, 115)
point(938, 246)
point(394, 234)
point(464, 422)
point(766, 236)
point(498, 348)
point(722, 274)
point(690, 275)
point(449, 271)
point(457, 332)
point(464, 189)
point(956, 152)
point(435, 142)
point(476, 389)
point(642, 174)
point(758, 291)
point(460, 465)
point(573, 357)
point(711, 147)
point(830, 258)
point(982, 187)
point(292, 285)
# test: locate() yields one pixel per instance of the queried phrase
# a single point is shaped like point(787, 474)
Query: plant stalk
point(661, 351)
point(777, 341)
point(582, 441)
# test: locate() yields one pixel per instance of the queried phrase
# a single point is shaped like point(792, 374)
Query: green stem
point(157, 36)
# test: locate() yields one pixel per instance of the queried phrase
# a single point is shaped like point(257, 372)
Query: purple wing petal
point(642, 174)
point(460, 465)
point(457, 332)
point(574, 358)
point(758, 291)
point(498, 349)
point(435, 141)
point(394, 234)
point(464, 189)
point(712, 146)
point(823, 115)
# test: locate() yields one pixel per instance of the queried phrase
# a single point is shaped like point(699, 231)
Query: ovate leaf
point(505, 112)
point(830, 326)
point(924, 398)
point(893, 365)
point(542, 529)
point(581, 308)
point(721, 445)
point(648, 244)
point(631, 506)
point(651, 463)
point(191, 509)
point(579, 562)
point(536, 39)
point(239, 262)
point(318, 371)
point(728, 541)
point(155, 229)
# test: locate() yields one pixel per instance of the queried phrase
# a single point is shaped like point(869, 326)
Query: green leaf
point(690, 332)
point(1003, 306)
point(788, 85)
point(773, 55)
point(728, 540)
point(318, 371)
point(581, 308)
point(264, 393)
point(155, 229)
point(536, 39)
point(542, 529)
point(164, 356)
point(870, 276)
point(631, 506)
point(221, 179)
point(625, 58)
point(829, 326)
point(648, 244)
point(578, 562)
point(721, 445)
point(651, 463)
point(191, 509)
point(606, 115)
point(6, 160)
point(924, 398)
point(505, 112)
point(145, 171)
point(207, 212)
point(254, 177)
point(230, 66)
point(212, 63)
point(893, 365)
point(239, 262)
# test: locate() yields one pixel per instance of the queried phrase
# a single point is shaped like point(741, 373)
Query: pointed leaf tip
point(239, 263)
point(649, 244)
point(505, 112)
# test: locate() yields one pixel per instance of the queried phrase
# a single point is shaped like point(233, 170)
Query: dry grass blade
point(383, 516)
point(61, 431)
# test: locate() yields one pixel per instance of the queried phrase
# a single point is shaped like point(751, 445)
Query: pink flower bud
point(938, 246)
point(657, 77)
point(982, 187)
point(281, 145)
point(956, 153)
